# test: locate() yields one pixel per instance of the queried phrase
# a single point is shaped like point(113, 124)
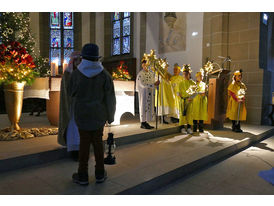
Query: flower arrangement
point(121, 72)
point(16, 64)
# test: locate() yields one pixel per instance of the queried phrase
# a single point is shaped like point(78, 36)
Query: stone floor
point(9, 149)
point(237, 175)
point(136, 163)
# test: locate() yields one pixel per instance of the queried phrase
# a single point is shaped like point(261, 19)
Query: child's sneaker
point(189, 131)
point(101, 178)
point(183, 131)
point(80, 178)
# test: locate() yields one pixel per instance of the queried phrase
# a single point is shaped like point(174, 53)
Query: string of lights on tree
point(15, 26)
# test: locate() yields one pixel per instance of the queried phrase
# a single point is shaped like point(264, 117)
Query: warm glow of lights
point(241, 93)
point(191, 90)
point(56, 61)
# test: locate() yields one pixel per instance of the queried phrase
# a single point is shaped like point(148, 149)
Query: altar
point(49, 89)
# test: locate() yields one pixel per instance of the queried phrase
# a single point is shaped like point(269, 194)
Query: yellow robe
point(166, 98)
point(175, 82)
point(232, 106)
point(200, 103)
point(183, 87)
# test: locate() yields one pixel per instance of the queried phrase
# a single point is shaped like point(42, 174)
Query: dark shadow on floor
point(264, 146)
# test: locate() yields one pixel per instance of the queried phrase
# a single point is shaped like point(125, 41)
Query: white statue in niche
point(172, 32)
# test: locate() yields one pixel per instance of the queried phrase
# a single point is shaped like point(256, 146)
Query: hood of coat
point(90, 68)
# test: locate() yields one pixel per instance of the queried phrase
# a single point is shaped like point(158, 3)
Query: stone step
point(141, 167)
point(180, 171)
point(44, 150)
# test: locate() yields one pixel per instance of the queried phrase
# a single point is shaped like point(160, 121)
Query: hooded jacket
point(92, 90)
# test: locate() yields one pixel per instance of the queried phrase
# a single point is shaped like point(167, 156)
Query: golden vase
point(14, 102)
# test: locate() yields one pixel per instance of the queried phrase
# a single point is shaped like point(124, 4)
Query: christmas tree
point(15, 26)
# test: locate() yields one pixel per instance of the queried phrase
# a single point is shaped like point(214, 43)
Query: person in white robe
point(145, 84)
point(68, 134)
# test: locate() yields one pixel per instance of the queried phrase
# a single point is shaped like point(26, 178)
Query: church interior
point(217, 48)
point(180, 37)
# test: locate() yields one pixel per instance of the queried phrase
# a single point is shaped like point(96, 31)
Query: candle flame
point(56, 61)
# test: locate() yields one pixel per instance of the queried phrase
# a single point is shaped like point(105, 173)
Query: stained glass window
point(121, 32)
point(116, 16)
point(55, 20)
point(67, 20)
point(265, 18)
point(55, 55)
point(126, 27)
point(126, 14)
point(126, 45)
point(116, 29)
point(61, 36)
point(116, 46)
point(67, 53)
point(55, 38)
point(68, 39)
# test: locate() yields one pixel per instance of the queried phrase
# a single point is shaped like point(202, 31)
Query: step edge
point(180, 172)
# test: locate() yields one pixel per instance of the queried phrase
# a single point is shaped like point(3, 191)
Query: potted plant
point(16, 70)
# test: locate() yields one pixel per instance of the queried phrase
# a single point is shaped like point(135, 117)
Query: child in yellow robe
point(199, 104)
point(236, 101)
point(186, 118)
point(175, 82)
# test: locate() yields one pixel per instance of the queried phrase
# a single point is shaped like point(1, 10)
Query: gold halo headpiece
point(186, 68)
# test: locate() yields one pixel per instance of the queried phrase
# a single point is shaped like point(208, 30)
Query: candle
point(56, 67)
point(65, 65)
point(52, 68)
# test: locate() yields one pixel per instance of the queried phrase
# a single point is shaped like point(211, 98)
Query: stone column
point(34, 25)
point(85, 28)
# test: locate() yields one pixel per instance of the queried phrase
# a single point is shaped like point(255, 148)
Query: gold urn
point(14, 102)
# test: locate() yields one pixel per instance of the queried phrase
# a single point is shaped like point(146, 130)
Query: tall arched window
point(121, 33)
point(61, 36)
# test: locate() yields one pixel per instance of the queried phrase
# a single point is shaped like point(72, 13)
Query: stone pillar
point(85, 28)
point(99, 29)
point(34, 25)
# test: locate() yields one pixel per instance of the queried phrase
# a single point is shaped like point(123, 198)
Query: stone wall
point(237, 35)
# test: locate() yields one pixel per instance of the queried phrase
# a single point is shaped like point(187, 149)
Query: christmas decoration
point(121, 72)
point(16, 64)
point(15, 26)
point(9, 135)
point(157, 65)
